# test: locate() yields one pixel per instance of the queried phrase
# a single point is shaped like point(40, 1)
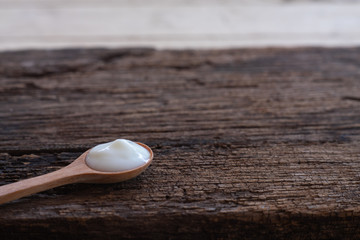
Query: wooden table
point(248, 143)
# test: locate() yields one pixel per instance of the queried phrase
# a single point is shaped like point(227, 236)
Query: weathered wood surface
point(248, 143)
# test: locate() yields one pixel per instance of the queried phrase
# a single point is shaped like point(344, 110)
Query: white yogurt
point(119, 155)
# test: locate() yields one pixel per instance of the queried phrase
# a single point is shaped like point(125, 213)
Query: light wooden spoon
point(76, 172)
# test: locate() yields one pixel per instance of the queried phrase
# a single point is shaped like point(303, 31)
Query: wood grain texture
point(248, 143)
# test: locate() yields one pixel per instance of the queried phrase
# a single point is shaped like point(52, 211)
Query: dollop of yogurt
point(118, 155)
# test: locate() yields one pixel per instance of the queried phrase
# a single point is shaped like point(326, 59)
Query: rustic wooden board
point(248, 143)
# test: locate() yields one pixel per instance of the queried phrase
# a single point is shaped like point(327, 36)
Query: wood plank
point(248, 143)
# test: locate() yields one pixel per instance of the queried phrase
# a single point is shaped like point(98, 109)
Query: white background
point(178, 23)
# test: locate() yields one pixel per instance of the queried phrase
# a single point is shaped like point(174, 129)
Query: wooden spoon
point(76, 172)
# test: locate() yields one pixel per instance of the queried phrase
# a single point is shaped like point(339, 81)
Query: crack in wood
point(357, 99)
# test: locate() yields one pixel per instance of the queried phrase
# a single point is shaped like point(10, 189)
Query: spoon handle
point(41, 183)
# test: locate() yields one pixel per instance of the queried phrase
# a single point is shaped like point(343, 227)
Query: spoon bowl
point(76, 172)
point(90, 175)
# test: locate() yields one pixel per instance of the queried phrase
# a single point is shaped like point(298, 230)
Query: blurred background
point(178, 23)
